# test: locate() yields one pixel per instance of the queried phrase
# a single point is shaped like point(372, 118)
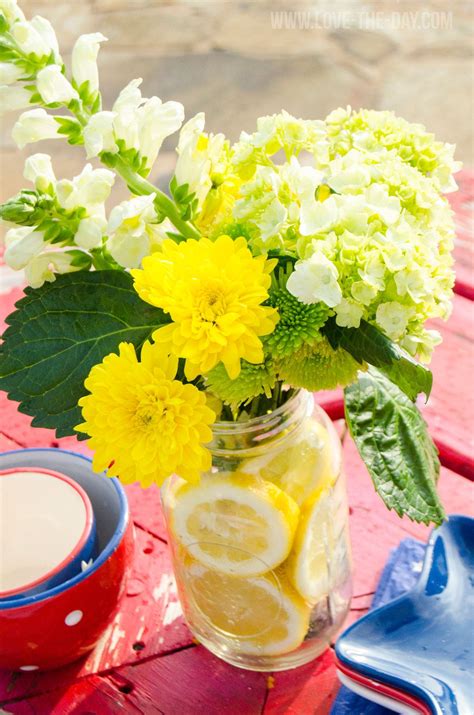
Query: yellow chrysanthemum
point(213, 291)
point(145, 425)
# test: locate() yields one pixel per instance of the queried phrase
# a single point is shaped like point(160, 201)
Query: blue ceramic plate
point(423, 642)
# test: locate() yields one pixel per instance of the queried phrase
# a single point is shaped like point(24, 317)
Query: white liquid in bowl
point(42, 519)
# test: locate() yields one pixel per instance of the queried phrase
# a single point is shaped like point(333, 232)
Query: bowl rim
point(82, 541)
point(107, 551)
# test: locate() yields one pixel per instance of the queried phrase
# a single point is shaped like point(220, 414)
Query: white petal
point(99, 134)
point(84, 59)
point(13, 98)
point(20, 251)
point(33, 126)
point(317, 216)
point(53, 86)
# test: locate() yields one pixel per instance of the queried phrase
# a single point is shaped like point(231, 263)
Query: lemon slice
point(236, 523)
point(263, 612)
point(308, 563)
point(299, 468)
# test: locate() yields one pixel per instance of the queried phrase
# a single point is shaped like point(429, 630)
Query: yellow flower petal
point(143, 424)
point(213, 291)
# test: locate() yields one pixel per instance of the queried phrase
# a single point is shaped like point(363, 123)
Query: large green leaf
point(393, 440)
point(61, 330)
point(367, 344)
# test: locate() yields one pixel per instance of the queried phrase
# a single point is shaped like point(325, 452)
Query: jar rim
point(254, 424)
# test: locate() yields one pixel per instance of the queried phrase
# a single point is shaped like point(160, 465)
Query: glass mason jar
point(260, 546)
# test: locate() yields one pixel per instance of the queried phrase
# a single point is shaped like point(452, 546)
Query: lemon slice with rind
point(300, 468)
point(308, 563)
point(235, 523)
point(264, 613)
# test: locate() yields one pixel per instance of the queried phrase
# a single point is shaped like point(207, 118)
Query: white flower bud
point(84, 60)
point(33, 126)
point(39, 170)
point(54, 87)
point(89, 189)
point(156, 122)
point(44, 28)
point(29, 40)
point(90, 232)
point(13, 98)
point(125, 108)
point(99, 134)
point(22, 244)
point(130, 238)
point(11, 10)
point(42, 268)
point(10, 73)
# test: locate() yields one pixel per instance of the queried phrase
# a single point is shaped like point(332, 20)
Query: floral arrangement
point(309, 254)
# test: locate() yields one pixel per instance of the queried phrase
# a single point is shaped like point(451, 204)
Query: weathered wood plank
point(89, 696)
point(146, 509)
point(194, 682)
point(462, 204)
point(304, 691)
point(449, 411)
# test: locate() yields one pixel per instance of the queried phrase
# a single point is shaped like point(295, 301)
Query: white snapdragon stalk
point(125, 118)
point(99, 134)
point(42, 268)
point(90, 232)
point(141, 124)
point(198, 156)
point(11, 10)
point(10, 73)
point(33, 126)
point(35, 37)
point(53, 86)
point(46, 31)
point(89, 189)
point(22, 245)
point(157, 120)
point(133, 231)
point(13, 98)
point(39, 170)
point(315, 280)
point(84, 60)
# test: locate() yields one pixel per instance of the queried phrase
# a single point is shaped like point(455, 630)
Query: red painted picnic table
point(147, 661)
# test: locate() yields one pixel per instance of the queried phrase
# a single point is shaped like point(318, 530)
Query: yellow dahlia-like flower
point(213, 292)
point(144, 425)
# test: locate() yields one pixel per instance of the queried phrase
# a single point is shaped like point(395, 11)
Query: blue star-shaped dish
point(423, 642)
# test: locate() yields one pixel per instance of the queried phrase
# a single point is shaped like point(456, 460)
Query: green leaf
point(59, 331)
point(393, 440)
point(367, 344)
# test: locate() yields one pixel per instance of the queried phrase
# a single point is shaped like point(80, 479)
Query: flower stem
point(138, 185)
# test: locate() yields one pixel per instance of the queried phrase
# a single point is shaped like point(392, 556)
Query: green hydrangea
point(279, 132)
point(319, 367)
point(372, 233)
point(372, 130)
point(252, 381)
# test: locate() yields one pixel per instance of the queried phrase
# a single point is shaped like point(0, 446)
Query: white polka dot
point(29, 667)
point(73, 618)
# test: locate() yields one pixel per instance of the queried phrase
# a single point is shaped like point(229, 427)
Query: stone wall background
point(225, 58)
